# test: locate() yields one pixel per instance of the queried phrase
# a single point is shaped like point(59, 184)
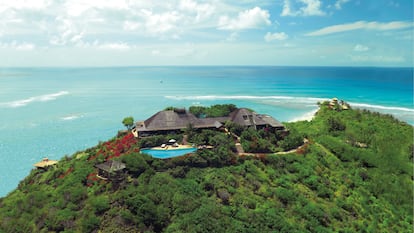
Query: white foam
point(247, 97)
point(41, 98)
point(380, 107)
point(310, 100)
point(71, 117)
point(306, 117)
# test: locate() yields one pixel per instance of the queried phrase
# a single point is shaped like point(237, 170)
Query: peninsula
point(346, 170)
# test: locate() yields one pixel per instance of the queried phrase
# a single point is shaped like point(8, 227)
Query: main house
point(174, 121)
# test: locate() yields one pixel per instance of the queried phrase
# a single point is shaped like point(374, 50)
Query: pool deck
point(168, 147)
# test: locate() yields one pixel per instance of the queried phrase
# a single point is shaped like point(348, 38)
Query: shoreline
point(305, 117)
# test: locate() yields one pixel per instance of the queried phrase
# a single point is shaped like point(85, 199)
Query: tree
point(135, 164)
point(128, 122)
point(335, 124)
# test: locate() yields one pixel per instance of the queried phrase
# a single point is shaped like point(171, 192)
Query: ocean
point(53, 112)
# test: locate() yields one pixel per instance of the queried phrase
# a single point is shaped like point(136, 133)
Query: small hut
point(45, 163)
point(111, 170)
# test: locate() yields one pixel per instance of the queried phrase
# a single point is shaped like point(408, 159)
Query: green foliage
point(90, 223)
point(198, 111)
point(355, 176)
point(128, 122)
point(334, 124)
point(218, 110)
point(258, 141)
point(152, 141)
point(234, 128)
point(291, 141)
point(136, 164)
point(100, 204)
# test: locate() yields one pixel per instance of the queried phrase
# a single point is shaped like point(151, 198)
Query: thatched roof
point(263, 119)
point(45, 163)
point(175, 120)
point(245, 117)
point(169, 120)
point(111, 166)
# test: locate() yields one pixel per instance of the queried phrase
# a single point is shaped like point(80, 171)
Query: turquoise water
point(52, 112)
point(165, 154)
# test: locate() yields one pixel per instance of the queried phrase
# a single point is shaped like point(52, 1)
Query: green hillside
point(354, 174)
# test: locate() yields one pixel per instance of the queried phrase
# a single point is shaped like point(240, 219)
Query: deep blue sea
point(52, 112)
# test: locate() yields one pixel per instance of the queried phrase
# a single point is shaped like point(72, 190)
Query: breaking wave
point(248, 97)
point(380, 107)
point(311, 101)
point(40, 98)
point(71, 117)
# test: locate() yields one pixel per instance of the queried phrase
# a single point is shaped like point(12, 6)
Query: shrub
point(292, 141)
point(90, 223)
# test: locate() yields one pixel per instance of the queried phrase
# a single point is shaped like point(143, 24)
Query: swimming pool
point(165, 154)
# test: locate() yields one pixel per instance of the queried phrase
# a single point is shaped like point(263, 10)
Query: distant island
point(346, 170)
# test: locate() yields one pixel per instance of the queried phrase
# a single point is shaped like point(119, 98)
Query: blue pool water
point(165, 154)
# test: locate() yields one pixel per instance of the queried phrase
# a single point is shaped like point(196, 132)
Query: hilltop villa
point(174, 121)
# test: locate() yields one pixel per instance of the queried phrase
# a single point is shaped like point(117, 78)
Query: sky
point(49, 33)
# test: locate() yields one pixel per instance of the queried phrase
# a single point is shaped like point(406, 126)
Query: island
point(346, 170)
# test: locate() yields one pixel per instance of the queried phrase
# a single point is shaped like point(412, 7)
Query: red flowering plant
point(117, 147)
point(112, 149)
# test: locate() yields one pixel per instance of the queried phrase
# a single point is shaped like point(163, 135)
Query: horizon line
point(281, 66)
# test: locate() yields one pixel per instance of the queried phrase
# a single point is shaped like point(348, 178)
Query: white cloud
point(312, 8)
point(361, 25)
point(77, 38)
point(248, 19)
point(306, 8)
point(156, 24)
point(233, 37)
point(287, 11)
point(78, 31)
point(24, 4)
point(120, 46)
point(68, 23)
point(148, 23)
point(361, 48)
point(77, 8)
point(155, 52)
point(114, 46)
point(18, 46)
point(66, 31)
point(339, 3)
point(131, 26)
point(202, 10)
point(275, 36)
point(25, 47)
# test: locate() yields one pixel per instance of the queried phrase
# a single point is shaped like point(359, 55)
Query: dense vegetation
point(354, 175)
point(218, 110)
